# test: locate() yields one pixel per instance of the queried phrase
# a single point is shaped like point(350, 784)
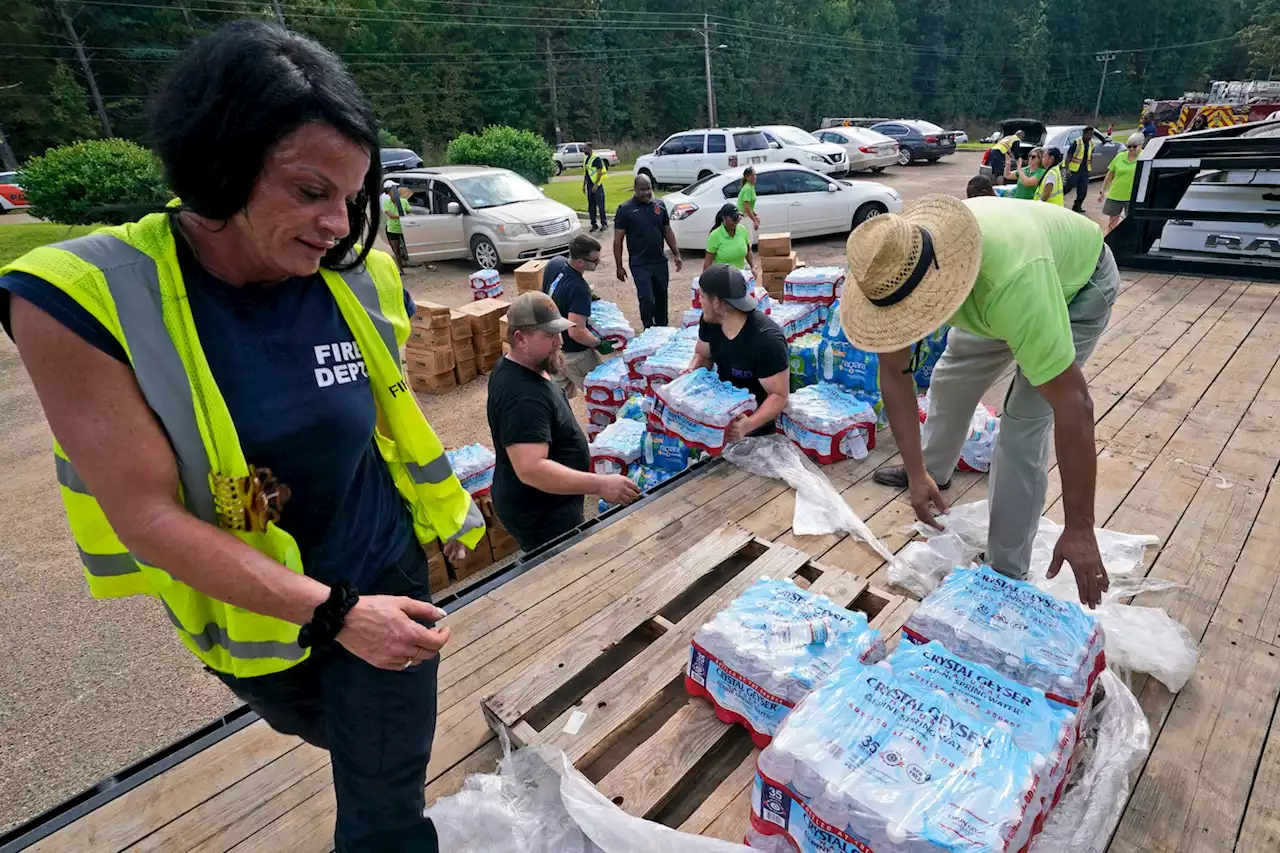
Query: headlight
point(816, 157)
point(684, 210)
point(513, 230)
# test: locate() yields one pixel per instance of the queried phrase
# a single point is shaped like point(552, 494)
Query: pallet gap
point(625, 739)
point(699, 784)
point(688, 600)
point(592, 676)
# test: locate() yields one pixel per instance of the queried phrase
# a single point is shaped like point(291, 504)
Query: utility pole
point(279, 13)
point(706, 58)
point(1106, 58)
point(555, 103)
point(103, 118)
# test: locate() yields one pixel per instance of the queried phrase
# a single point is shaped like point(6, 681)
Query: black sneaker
point(895, 476)
point(592, 230)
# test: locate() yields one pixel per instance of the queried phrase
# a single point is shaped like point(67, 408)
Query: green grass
point(17, 240)
point(617, 189)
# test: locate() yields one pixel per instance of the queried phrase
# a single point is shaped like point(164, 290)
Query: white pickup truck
point(572, 155)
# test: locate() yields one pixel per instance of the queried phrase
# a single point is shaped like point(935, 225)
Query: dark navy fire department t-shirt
point(295, 384)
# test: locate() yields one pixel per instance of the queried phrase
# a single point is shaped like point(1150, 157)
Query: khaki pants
point(968, 368)
point(576, 367)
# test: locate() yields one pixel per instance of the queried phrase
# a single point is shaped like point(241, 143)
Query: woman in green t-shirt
point(728, 243)
point(747, 196)
point(1117, 189)
point(1028, 177)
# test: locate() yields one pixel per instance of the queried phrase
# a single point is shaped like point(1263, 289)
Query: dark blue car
point(918, 140)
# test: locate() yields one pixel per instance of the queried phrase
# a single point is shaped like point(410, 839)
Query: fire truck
point(1227, 102)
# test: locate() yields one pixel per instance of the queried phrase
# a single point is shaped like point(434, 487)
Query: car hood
point(526, 212)
point(825, 149)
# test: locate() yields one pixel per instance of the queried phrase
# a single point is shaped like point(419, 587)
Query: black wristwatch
point(327, 620)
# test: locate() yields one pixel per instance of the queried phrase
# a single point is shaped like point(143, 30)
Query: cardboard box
point(778, 263)
point(774, 245)
point(485, 363)
point(502, 543)
point(480, 558)
point(421, 338)
point(459, 326)
point(437, 573)
point(430, 362)
point(431, 315)
point(463, 350)
point(426, 383)
point(487, 345)
point(529, 276)
point(484, 314)
point(503, 328)
point(465, 370)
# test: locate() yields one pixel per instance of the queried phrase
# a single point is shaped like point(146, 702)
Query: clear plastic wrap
point(617, 447)
point(814, 284)
point(605, 383)
point(763, 300)
point(876, 758)
point(646, 478)
point(634, 409)
point(796, 318)
point(1017, 629)
point(691, 317)
point(1139, 639)
point(667, 361)
point(804, 360)
point(608, 322)
point(644, 345)
point(698, 407)
point(770, 648)
point(665, 452)
point(829, 423)
point(980, 446)
point(927, 356)
point(820, 509)
point(538, 802)
point(473, 465)
point(601, 416)
point(485, 280)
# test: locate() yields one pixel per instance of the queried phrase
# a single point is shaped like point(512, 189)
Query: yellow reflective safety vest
point(1006, 145)
point(1081, 155)
point(1057, 196)
point(128, 278)
point(597, 168)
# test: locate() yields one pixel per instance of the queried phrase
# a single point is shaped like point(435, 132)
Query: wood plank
point(564, 659)
point(732, 823)
point(306, 828)
point(638, 682)
point(723, 797)
point(1261, 827)
point(134, 815)
point(1192, 795)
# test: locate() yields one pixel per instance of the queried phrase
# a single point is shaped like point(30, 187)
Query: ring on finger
point(408, 663)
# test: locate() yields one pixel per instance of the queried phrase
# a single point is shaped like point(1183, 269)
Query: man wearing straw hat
point(1028, 284)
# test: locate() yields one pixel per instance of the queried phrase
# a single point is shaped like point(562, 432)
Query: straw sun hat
point(909, 272)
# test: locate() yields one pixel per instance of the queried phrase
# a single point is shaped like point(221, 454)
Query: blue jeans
point(377, 725)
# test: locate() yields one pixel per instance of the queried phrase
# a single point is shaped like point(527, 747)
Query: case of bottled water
point(796, 318)
point(1015, 628)
point(485, 284)
point(608, 323)
point(644, 345)
point(604, 384)
point(980, 446)
point(930, 351)
point(804, 360)
point(697, 408)
point(617, 447)
point(667, 361)
point(770, 648)
point(634, 409)
point(646, 478)
point(473, 466)
point(829, 423)
point(691, 317)
point(878, 761)
point(814, 284)
point(601, 416)
point(664, 452)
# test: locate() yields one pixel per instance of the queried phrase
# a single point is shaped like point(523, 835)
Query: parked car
point(918, 140)
point(865, 149)
point(960, 137)
point(1033, 131)
point(793, 145)
point(695, 154)
point(788, 198)
point(394, 159)
point(572, 155)
point(492, 215)
point(1105, 148)
point(11, 195)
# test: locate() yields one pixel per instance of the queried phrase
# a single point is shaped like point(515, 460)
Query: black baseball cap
point(729, 284)
point(536, 310)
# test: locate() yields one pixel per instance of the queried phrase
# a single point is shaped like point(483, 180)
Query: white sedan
point(788, 198)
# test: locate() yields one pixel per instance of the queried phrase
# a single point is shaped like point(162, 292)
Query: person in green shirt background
point(747, 198)
point(1117, 189)
point(1028, 177)
point(395, 203)
point(728, 243)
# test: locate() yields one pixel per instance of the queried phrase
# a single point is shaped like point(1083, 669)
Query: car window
point(495, 189)
point(730, 189)
point(674, 145)
point(698, 187)
point(693, 143)
point(891, 129)
point(796, 181)
point(768, 183)
point(750, 140)
point(928, 127)
point(715, 143)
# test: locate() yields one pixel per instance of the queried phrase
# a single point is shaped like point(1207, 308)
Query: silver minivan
point(489, 214)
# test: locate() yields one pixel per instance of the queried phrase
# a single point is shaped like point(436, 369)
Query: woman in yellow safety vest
point(233, 432)
point(1051, 189)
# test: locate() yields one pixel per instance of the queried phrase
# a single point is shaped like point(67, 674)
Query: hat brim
point(957, 243)
point(745, 304)
point(559, 325)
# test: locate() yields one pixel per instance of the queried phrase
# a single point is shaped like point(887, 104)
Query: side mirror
point(775, 145)
point(454, 208)
point(832, 188)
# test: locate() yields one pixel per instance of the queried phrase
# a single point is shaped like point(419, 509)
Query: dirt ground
point(89, 687)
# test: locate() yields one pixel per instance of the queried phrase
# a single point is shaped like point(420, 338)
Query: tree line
point(634, 69)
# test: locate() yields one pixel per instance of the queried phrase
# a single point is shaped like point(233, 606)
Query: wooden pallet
point(611, 694)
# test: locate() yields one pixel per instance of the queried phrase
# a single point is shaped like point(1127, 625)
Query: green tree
point(1262, 37)
point(96, 180)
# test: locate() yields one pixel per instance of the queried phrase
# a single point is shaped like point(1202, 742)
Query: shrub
point(521, 151)
point(96, 180)
point(387, 139)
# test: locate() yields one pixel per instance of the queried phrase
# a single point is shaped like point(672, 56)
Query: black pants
point(1079, 181)
point(396, 241)
point(651, 292)
point(595, 203)
point(377, 725)
point(996, 160)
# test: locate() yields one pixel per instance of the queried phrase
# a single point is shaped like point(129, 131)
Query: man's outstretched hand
point(1079, 547)
point(926, 500)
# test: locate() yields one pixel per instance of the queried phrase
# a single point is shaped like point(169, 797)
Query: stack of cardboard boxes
point(485, 317)
point(529, 276)
point(498, 544)
point(429, 353)
point(464, 353)
point(776, 260)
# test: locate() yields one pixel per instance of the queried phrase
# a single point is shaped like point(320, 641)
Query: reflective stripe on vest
point(1057, 195)
point(1082, 154)
point(215, 637)
point(1006, 145)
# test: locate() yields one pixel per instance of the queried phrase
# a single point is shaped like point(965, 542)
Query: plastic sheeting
point(1139, 639)
point(538, 803)
point(819, 508)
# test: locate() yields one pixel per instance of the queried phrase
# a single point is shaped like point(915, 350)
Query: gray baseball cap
point(729, 284)
point(536, 310)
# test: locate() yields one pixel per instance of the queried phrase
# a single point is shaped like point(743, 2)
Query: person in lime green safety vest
point(1051, 184)
point(1001, 153)
point(595, 170)
point(1078, 168)
point(234, 435)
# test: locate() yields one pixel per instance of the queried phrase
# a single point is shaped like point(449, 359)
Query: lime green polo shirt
point(747, 195)
point(1124, 169)
point(731, 250)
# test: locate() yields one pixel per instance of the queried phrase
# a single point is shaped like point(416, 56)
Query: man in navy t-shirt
point(562, 280)
point(644, 221)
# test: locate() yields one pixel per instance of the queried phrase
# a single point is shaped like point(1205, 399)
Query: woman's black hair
point(239, 91)
point(725, 209)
